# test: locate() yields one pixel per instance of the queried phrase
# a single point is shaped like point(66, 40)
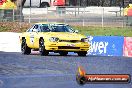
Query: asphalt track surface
point(54, 71)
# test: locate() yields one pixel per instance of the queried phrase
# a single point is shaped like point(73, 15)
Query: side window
point(44, 28)
point(30, 29)
point(39, 28)
point(34, 28)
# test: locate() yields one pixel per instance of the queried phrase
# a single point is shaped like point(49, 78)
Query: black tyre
point(63, 53)
point(42, 50)
point(82, 53)
point(44, 5)
point(81, 80)
point(24, 48)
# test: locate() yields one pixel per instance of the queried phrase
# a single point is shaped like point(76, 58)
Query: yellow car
point(53, 37)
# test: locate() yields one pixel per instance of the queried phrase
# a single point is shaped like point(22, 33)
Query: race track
point(54, 71)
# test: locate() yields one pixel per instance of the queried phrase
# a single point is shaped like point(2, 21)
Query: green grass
point(106, 31)
point(93, 31)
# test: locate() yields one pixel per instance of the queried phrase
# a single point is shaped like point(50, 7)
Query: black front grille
point(73, 41)
point(68, 47)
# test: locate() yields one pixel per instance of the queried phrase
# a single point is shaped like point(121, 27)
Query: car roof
point(50, 23)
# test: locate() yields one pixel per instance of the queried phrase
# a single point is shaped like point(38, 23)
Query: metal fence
point(82, 16)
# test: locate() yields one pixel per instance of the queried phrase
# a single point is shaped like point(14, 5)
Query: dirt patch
point(14, 26)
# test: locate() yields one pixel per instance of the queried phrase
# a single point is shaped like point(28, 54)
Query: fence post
point(123, 23)
point(13, 16)
point(75, 10)
point(103, 17)
point(84, 10)
point(47, 10)
point(120, 10)
point(78, 10)
point(20, 15)
point(83, 22)
point(47, 14)
point(64, 20)
point(30, 15)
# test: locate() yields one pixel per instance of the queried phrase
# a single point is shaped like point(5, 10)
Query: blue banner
point(106, 45)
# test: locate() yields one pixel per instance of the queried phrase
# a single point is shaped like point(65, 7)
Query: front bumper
point(65, 46)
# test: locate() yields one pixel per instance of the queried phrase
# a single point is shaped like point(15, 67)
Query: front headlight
point(54, 39)
point(84, 40)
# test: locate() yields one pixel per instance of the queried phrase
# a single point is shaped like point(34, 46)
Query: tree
point(18, 11)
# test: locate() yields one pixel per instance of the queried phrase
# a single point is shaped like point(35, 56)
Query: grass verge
point(93, 31)
point(105, 31)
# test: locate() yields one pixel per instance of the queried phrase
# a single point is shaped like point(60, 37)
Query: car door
point(36, 37)
point(30, 36)
point(27, 36)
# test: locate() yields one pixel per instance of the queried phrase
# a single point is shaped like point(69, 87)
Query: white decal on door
point(32, 39)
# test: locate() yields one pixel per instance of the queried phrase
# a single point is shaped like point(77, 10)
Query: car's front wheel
point(63, 53)
point(82, 53)
point(24, 48)
point(42, 49)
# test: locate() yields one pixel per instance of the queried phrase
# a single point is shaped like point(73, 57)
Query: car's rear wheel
point(63, 53)
point(24, 48)
point(82, 53)
point(42, 49)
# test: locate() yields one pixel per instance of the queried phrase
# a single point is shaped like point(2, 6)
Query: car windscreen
point(45, 28)
point(61, 28)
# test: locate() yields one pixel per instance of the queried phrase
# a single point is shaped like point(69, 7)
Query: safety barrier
point(100, 45)
point(110, 46)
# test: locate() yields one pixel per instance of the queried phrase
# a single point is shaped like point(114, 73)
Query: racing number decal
point(32, 39)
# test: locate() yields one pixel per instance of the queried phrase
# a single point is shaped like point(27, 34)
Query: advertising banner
point(106, 45)
point(127, 46)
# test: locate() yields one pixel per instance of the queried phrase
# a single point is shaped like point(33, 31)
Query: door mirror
point(76, 31)
point(34, 30)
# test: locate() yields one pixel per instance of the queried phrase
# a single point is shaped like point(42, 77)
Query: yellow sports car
point(53, 37)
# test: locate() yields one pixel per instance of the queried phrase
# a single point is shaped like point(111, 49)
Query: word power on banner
point(106, 45)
